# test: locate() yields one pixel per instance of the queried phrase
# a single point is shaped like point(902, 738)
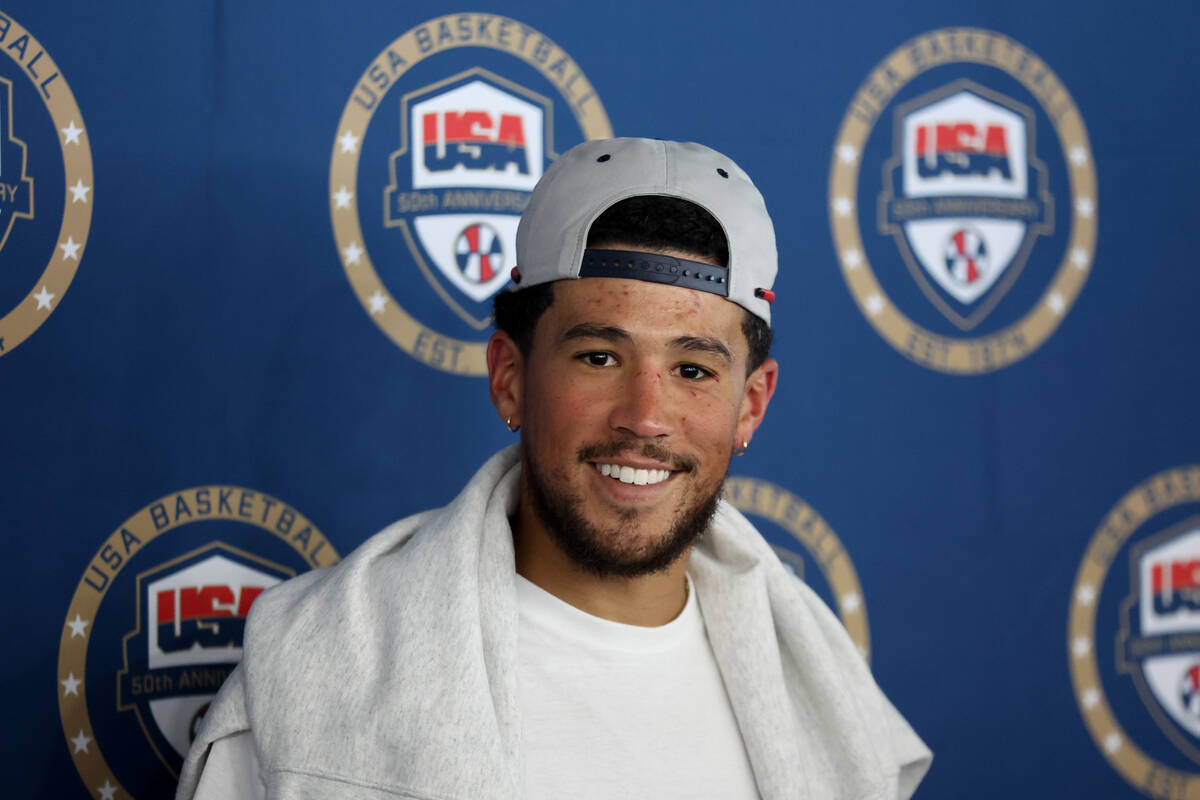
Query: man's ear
point(505, 368)
point(760, 387)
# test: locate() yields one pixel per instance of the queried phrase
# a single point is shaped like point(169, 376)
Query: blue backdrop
point(242, 307)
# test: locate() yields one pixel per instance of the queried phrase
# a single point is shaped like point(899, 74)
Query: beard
point(608, 553)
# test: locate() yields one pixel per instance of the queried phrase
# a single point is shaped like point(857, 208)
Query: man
point(587, 619)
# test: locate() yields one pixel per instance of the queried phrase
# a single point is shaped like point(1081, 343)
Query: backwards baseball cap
point(589, 178)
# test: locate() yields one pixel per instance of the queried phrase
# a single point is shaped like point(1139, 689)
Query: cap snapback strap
point(655, 267)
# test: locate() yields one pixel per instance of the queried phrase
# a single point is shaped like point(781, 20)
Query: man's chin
point(631, 559)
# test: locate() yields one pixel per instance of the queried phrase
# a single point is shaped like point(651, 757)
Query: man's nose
point(642, 409)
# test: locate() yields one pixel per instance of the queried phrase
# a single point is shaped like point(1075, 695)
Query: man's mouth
point(638, 477)
point(652, 463)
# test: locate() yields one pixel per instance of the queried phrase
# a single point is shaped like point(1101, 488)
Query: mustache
point(599, 450)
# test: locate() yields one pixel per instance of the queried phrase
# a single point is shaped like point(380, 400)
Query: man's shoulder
point(325, 586)
point(394, 581)
point(738, 546)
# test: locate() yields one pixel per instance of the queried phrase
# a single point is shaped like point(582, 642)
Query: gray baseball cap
point(590, 177)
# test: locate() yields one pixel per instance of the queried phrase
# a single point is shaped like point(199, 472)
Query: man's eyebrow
point(611, 333)
point(588, 330)
point(704, 344)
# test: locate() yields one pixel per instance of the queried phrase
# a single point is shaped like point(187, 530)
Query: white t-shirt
point(614, 711)
point(608, 711)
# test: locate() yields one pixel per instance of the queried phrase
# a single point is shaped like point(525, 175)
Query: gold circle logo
point(471, 146)
point(1157, 646)
point(966, 196)
point(187, 604)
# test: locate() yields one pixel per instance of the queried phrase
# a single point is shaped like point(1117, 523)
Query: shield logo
point(1159, 640)
point(191, 617)
point(16, 188)
point(965, 196)
point(472, 148)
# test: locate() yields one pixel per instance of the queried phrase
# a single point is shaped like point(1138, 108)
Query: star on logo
point(1079, 257)
point(1086, 595)
point(71, 133)
point(1081, 646)
point(352, 253)
point(342, 198)
point(71, 685)
point(1085, 207)
point(847, 153)
point(79, 191)
point(852, 259)
point(1078, 156)
point(842, 206)
point(850, 602)
point(43, 298)
point(107, 791)
point(70, 249)
point(377, 301)
point(1112, 742)
point(1056, 303)
point(77, 626)
point(1091, 698)
point(348, 141)
point(81, 742)
point(875, 304)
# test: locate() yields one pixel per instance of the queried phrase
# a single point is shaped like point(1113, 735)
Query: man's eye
point(693, 372)
point(598, 359)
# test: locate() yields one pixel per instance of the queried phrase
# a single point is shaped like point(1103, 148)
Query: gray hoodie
point(393, 673)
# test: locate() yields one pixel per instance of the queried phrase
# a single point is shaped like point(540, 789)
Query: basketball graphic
point(480, 253)
point(966, 256)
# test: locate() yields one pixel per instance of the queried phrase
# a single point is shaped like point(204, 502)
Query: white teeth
point(638, 477)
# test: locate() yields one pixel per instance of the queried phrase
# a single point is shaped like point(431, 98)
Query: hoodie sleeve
point(232, 771)
point(226, 717)
point(913, 757)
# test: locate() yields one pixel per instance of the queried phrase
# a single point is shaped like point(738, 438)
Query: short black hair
point(652, 222)
point(661, 223)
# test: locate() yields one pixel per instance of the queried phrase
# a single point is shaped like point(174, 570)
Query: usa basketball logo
point(807, 546)
point(481, 147)
point(46, 188)
point(939, 166)
point(1134, 635)
point(453, 156)
point(137, 673)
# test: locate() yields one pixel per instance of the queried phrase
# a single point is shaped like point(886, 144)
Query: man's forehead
point(642, 309)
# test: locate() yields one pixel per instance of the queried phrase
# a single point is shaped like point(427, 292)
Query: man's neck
point(648, 600)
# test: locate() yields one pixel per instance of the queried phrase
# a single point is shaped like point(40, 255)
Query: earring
point(741, 451)
point(512, 428)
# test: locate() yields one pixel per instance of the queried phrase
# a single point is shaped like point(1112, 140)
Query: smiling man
point(632, 395)
point(587, 619)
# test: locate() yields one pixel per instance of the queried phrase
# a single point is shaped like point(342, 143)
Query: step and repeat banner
point(247, 256)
